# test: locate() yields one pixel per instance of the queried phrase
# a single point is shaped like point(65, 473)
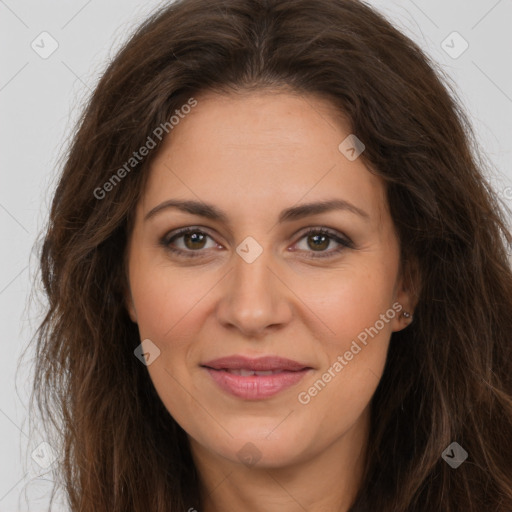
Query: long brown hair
point(448, 377)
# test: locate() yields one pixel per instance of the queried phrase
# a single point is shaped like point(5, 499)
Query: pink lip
point(256, 387)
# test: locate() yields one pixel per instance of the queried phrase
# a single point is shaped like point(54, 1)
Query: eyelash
point(344, 243)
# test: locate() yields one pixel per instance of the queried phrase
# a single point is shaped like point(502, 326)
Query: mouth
point(255, 379)
point(244, 372)
point(259, 364)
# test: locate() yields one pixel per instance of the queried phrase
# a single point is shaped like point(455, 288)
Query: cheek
point(355, 312)
point(348, 301)
point(168, 316)
point(170, 305)
point(165, 300)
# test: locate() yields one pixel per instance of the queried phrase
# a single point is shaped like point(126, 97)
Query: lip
point(256, 387)
point(266, 363)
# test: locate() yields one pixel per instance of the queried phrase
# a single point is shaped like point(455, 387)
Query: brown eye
point(193, 241)
point(319, 239)
point(319, 242)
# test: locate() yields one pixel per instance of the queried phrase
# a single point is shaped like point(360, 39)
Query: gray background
point(39, 103)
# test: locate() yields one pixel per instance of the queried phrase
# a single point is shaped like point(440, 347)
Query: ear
point(407, 292)
point(130, 306)
point(126, 290)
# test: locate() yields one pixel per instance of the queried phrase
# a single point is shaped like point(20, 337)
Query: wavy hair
point(448, 376)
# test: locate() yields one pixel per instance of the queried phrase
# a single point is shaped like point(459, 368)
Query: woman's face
point(248, 281)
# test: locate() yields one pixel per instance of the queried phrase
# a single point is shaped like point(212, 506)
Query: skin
point(253, 155)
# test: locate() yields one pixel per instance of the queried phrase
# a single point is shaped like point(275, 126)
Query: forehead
point(260, 150)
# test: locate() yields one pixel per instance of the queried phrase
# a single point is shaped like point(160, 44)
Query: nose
point(256, 299)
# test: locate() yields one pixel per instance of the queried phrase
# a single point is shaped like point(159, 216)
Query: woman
point(277, 278)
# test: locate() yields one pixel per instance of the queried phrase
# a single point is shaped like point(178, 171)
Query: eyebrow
point(211, 212)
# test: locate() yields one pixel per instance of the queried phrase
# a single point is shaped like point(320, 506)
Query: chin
point(260, 445)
